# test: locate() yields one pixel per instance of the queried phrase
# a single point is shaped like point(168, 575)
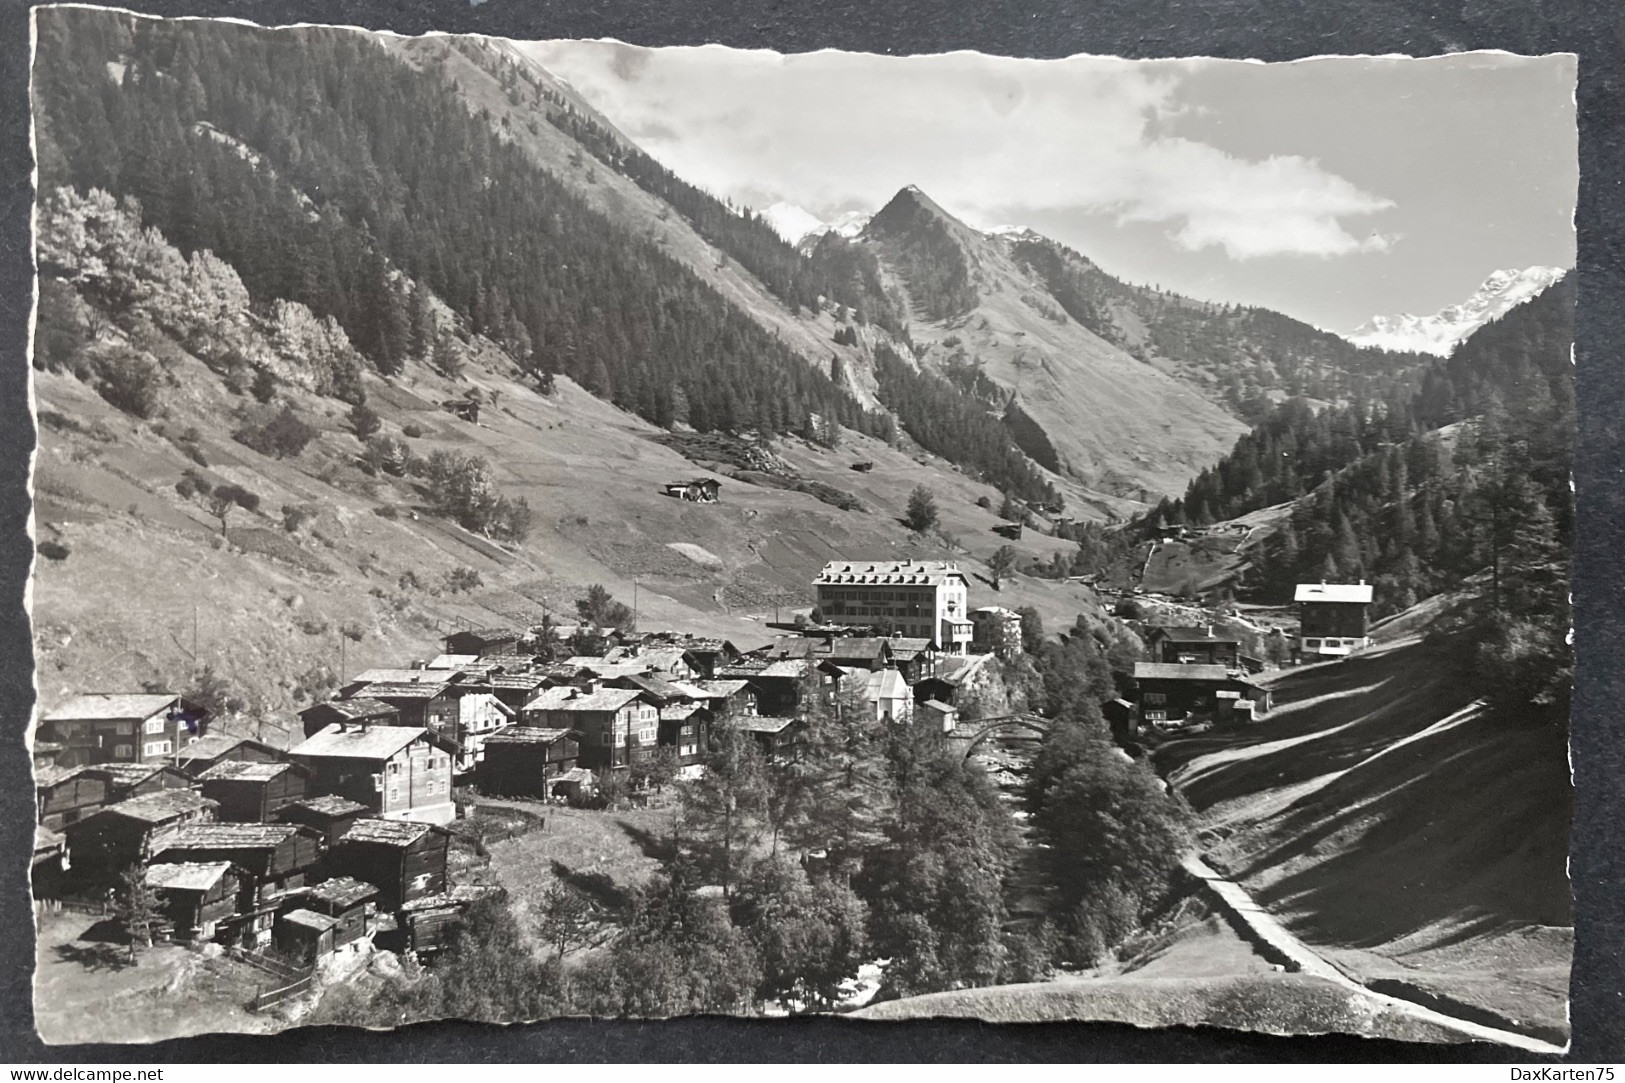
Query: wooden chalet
point(778, 737)
point(618, 726)
point(777, 685)
point(726, 697)
point(1199, 645)
point(127, 780)
point(916, 659)
point(253, 792)
point(105, 843)
point(330, 815)
point(304, 935)
point(205, 752)
point(995, 629)
point(196, 897)
point(404, 861)
point(702, 654)
point(269, 859)
point(425, 925)
point(354, 711)
point(397, 772)
point(65, 795)
point(115, 727)
point(1174, 696)
point(937, 715)
point(526, 761)
point(484, 642)
point(424, 697)
point(349, 902)
point(685, 727)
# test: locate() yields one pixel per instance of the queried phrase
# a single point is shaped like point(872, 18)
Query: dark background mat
point(1259, 29)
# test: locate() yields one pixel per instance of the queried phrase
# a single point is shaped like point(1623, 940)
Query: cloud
point(990, 138)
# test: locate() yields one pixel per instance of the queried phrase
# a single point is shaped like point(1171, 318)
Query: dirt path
point(1300, 957)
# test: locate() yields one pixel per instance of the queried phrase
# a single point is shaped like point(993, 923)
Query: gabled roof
point(1179, 633)
point(328, 805)
point(388, 690)
point(240, 771)
point(868, 648)
point(401, 676)
point(454, 661)
point(677, 712)
point(528, 735)
point(157, 808)
point(570, 698)
point(342, 891)
point(229, 836)
point(460, 896)
point(763, 724)
point(309, 919)
point(217, 744)
point(360, 742)
point(356, 708)
point(889, 573)
point(46, 777)
point(111, 707)
point(888, 684)
point(187, 875)
point(1333, 592)
point(939, 706)
point(719, 689)
point(1174, 671)
point(387, 832)
point(130, 774)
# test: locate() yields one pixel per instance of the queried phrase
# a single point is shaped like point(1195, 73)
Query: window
point(1157, 698)
point(1311, 644)
point(155, 725)
point(124, 729)
point(124, 752)
point(154, 748)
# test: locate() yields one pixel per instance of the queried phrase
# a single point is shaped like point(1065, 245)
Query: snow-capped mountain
point(795, 224)
point(1441, 332)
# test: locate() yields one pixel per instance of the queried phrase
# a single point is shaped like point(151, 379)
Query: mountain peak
point(908, 206)
point(1443, 331)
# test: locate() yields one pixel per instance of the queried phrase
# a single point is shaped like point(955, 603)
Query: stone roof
point(520, 735)
point(342, 891)
point(111, 706)
point(329, 805)
point(1174, 671)
point(229, 836)
point(309, 919)
point(358, 742)
point(241, 771)
point(1181, 633)
point(160, 807)
point(356, 708)
point(386, 832)
point(187, 875)
point(570, 698)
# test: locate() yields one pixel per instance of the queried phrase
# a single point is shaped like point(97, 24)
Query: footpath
point(1276, 941)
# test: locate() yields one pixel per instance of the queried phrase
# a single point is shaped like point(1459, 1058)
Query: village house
point(685, 727)
point(268, 859)
point(195, 897)
point(397, 772)
point(329, 815)
point(105, 843)
point(778, 738)
point(915, 659)
point(425, 925)
point(726, 698)
point(304, 936)
point(424, 697)
point(960, 680)
point(110, 727)
point(668, 663)
point(618, 726)
point(404, 861)
point(484, 642)
point(925, 599)
point(889, 694)
point(250, 792)
point(698, 491)
point(1186, 645)
point(937, 715)
point(205, 752)
point(776, 685)
point(1332, 619)
point(65, 795)
point(349, 902)
point(704, 654)
point(127, 780)
point(526, 761)
point(355, 710)
point(1181, 695)
point(995, 630)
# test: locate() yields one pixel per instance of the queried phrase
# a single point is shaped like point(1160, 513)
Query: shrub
point(413, 431)
point(51, 550)
point(263, 386)
point(921, 514)
point(385, 511)
point(363, 421)
point(462, 580)
point(295, 516)
point(132, 383)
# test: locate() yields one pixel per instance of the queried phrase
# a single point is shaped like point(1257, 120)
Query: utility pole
point(634, 603)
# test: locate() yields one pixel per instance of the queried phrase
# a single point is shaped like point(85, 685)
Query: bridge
point(974, 733)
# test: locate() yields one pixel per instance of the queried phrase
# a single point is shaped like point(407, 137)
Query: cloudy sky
point(1328, 189)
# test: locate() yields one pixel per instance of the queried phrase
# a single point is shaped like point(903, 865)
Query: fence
point(272, 997)
point(291, 980)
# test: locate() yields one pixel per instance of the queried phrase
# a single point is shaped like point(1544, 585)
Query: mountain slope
point(1442, 332)
point(1117, 424)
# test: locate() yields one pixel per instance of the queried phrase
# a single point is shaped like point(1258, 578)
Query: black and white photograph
point(530, 529)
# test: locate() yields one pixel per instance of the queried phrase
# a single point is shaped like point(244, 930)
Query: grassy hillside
point(1401, 828)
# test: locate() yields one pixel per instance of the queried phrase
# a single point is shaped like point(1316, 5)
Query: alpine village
point(481, 575)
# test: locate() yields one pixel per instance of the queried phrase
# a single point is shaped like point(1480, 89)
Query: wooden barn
point(304, 935)
point(65, 795)
point(349, 902)
point(127, 780)
point(270, 859)
point(484, 642)
point(404, 861)
point(1198, 645)
point(205, 752)
point(196, 897)
point(685, 727)
point(330, 815)
point(249, 792)
point(777, 737)
point(105, 843)
point(525, 761)
point(426, 924)
point(1174, 696)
